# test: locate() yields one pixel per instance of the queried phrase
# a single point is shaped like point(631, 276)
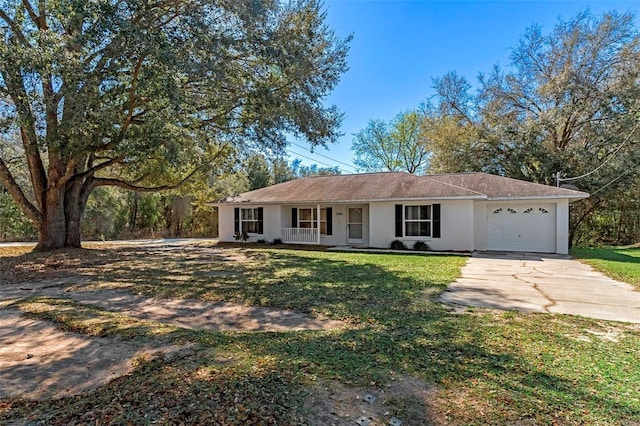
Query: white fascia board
point(546, 197)
point(295, 202)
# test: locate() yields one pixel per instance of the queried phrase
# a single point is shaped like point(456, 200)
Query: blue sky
point(398, 46)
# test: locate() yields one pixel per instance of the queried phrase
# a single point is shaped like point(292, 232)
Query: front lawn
point(622, 264)
point(487, 367)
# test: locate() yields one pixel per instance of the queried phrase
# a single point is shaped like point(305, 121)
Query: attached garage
point(527, 227)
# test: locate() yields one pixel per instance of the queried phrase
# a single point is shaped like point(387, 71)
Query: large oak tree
point(144, 94)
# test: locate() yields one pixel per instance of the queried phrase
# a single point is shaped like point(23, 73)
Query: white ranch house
point(450, 212)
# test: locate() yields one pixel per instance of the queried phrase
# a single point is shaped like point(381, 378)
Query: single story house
point(456, 212)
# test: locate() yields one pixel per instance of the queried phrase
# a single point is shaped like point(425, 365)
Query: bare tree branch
point(14, 27)
point(32, 13)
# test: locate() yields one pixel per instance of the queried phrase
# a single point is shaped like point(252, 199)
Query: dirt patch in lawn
point(198, 315)
point(405, 400)
point(39, 361)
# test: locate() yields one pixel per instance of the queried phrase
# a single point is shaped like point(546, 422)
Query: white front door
point(525, 227)
point(354, 225)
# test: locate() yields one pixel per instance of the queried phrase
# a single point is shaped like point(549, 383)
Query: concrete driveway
point(529, 282)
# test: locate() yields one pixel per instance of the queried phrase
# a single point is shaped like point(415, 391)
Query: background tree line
point(568, 102)
point(115, 213)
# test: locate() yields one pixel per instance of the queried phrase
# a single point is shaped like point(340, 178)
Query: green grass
point(488, 367)
point(622, 264)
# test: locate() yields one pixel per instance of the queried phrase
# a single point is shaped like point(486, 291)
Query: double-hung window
point(417, 221)
point(308, 218)
point(249, 221)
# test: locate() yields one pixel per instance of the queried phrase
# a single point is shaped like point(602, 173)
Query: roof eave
point(290, 202)
point(541, 197)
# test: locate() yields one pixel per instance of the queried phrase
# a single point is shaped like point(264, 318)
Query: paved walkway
point(542, 283)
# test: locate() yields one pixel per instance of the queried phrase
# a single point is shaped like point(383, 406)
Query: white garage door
point(527, 227)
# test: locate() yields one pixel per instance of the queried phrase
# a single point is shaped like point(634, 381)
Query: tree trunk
point(74, 209)
point(52, 233)
point(133, 214)
point(62, 219)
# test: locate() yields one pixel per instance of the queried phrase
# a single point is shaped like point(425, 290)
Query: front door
point(354, 225)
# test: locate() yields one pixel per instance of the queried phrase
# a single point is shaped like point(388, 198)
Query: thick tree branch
point(15, 86)
point(14, 27)
point(18, 195)
point(132, 187)
point(32, 13)
point(93, 169)
point(36, 166)
point(132, 98)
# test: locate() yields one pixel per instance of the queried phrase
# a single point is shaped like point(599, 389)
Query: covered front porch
point(322, 224)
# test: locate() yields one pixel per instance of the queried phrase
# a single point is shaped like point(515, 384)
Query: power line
point(324, 156)
point(309, 158)
point(561, 179)
point(615, 180)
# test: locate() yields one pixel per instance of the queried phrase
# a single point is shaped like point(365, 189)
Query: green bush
point(397, 245)
point(421, 246)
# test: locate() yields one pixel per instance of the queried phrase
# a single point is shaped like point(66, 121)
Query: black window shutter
point(329, 220)
point(294, 217)
point(236, 219)
point(260, 220)
point(399, 220)
point(436, 221)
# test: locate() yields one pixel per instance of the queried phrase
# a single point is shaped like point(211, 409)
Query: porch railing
point(300, 235)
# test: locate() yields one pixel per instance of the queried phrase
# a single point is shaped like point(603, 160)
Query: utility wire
point(559, 179)
point(309, 158)
point(615, 180)
point(324, 156)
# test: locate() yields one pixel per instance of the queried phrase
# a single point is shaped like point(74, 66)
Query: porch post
point(318, 223)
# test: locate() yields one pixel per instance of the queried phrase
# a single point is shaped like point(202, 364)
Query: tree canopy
point(398, 145)
point(145, 95)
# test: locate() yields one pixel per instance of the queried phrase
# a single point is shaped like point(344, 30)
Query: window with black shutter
point(251, 221)
point(418, 220)
point(399, 233)
point(436, 221)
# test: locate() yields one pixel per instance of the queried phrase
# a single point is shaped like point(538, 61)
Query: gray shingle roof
point(499, 187)
point(398, 186)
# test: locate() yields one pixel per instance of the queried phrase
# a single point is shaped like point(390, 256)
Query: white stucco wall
point(225, 223)
point(271, 223)
point(272, 220)
point(562, 230)
point(480, 225)
point(456, 224)
point(339, 234)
